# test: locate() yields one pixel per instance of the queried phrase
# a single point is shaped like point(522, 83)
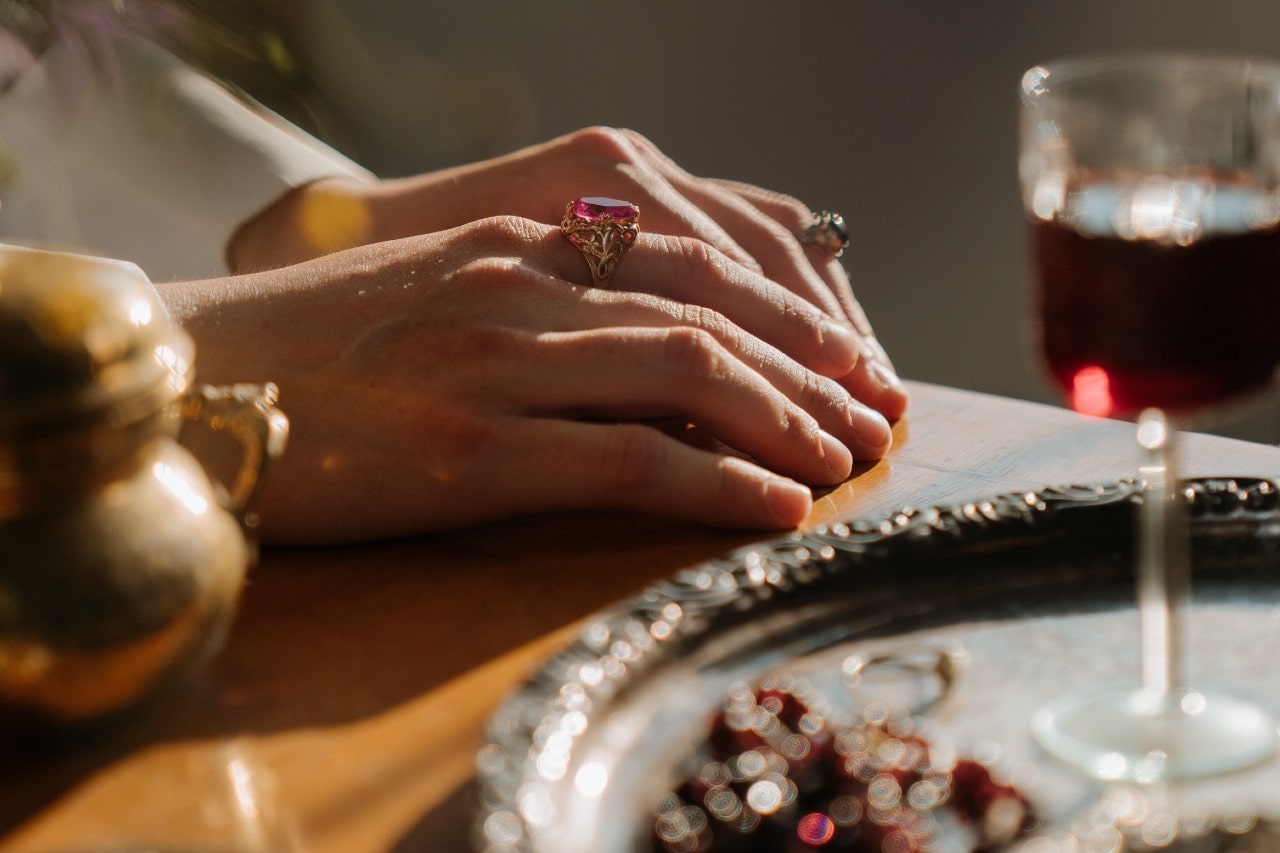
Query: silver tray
point(1030, 594)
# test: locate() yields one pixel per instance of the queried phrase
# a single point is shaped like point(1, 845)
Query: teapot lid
point(82, 338)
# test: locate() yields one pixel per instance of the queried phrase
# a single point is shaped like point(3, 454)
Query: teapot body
point(112, 591)
point(120, 561)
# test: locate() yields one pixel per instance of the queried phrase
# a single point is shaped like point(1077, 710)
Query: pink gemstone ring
point(603, 229)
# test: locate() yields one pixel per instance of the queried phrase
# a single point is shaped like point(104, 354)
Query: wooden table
point(346, 709)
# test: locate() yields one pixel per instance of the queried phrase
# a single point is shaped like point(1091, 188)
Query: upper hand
point(753, 228)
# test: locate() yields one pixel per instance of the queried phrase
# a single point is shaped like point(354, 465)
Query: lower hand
point(471, 374)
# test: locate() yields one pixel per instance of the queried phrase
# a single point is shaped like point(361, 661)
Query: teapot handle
point(247, 413)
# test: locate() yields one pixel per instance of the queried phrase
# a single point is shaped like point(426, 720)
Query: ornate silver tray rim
point(529, 758)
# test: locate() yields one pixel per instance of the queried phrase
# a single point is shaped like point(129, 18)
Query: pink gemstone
point(595, 208)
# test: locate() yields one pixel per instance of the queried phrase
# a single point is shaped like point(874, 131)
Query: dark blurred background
point(900, 114)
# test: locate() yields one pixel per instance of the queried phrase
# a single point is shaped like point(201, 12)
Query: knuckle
point(698, 252)
point(490, 278)
point(820, 392)
point(786, 237)
point(793, 424)
point(460, 437)
point(636, 137)
point(480, 343)
point(505, 230)
point(800, 430)
point(604, 143)
point(630, 455)
point(691, 253)
point(750, 264)
point(712, 322)
point(797, 212)
point(692, 352)
point(795, 312)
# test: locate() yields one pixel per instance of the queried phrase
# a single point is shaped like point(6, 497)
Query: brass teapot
point(120, 562)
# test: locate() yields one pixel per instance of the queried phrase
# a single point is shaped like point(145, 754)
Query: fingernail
point(838, 458)
point(840, 345)
point(884, 376)
point(871, 428)
point(789, 502)
point(876, 352)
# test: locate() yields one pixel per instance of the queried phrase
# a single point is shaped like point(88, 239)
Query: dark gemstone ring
point(827, 231)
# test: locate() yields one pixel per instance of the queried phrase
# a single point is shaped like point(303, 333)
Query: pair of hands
point(458, 367)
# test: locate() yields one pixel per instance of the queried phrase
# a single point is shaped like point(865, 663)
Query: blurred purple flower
point(88, 33)
point(15, 56)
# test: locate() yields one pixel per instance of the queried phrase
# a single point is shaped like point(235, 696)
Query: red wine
point(1180, 313)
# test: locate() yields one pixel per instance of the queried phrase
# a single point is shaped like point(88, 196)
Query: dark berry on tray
point(775, 774)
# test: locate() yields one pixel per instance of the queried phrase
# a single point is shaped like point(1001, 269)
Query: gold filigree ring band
point(603, 229)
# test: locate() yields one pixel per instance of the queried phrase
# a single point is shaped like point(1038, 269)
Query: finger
point(604, 354)
point(556, 464)
point(879, 381)
point(793, 217)
point(875, 383)
point(686, 271)
point(665, 210)
point(772, 244)
point(646, 373)
point(693, 273)
point(611, 164)
point(766, 224)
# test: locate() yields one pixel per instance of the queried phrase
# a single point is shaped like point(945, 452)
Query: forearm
point(235, 322)
point(342, 212)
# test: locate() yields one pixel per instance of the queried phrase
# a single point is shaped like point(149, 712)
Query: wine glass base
point(1141, 736)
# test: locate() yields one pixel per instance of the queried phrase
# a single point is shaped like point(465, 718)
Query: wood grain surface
point(347, 706)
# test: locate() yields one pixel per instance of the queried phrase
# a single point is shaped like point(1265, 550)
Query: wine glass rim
point(1085, 67)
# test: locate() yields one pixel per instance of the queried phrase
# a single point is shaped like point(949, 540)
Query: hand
point(471, 374)
point(753, 228)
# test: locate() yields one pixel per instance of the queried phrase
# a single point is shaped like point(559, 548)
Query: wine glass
point(1152, 183)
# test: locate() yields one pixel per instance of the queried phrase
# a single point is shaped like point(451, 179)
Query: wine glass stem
point(1162, 556)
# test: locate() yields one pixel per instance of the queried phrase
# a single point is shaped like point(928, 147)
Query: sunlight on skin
point(331, 220)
